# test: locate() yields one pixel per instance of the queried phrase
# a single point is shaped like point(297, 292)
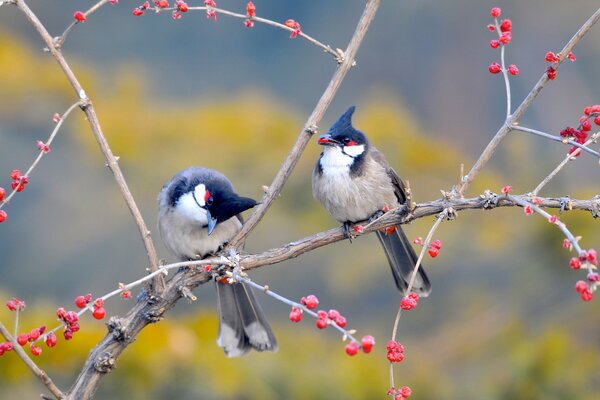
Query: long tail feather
point(402, 259)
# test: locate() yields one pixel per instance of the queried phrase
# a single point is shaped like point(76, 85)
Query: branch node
point(311, 130)
point(490, 200)
point(186, 293)
point(565, 204)
point(104, 363)
point(596, 206)
point(117, 328)
point(154, 314)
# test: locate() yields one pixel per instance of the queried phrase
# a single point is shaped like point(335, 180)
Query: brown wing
point(396, 181)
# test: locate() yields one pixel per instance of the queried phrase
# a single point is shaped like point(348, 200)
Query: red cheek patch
point(351, 143)
point(206, 196)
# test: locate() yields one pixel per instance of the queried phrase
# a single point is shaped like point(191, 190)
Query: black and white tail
point(402, 259)
point(242, 323)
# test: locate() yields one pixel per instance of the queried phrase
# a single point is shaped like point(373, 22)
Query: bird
point(354, 182)
point(198, 213)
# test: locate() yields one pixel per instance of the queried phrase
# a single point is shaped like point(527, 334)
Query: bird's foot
point(348, 231)
point(376, 215)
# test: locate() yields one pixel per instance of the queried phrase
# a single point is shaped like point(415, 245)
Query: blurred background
point(503, 320)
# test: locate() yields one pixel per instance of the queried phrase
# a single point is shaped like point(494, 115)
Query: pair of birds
point(199, 212)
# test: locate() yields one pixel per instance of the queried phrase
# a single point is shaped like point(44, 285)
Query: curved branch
point(310, 125)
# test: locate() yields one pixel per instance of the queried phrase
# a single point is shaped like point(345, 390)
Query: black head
point(209, 191)
point(342, 134)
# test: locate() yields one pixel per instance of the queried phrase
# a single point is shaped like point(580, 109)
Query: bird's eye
point(209, 201)
point(349, 142)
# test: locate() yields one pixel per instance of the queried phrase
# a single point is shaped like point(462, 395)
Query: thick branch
point(514, 118)
point(31, 365)
point(310, 126)
point(94, 123)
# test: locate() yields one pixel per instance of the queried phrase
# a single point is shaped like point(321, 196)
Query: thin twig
point(524, 106)
point(555, 138)
point(59, 41)
point(266, 290)
point(94, 123)
point(436, 224)
point(560, 166)
point(504, 70)
point(310, 125)
point(40, 373)
point(41, 152)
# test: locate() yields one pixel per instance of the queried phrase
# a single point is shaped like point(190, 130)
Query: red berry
point(405, 392)
point(553, 219)
point(23, 338)
point(575, 263)
point(137, 12)
point(81, 302)
point(593, 277)
point(513, 70)
point(15, 174)
point(311, 301)
point(433, 252)
point(43, 146)
point(3, 215)
point(162, 3)
point(418, 240)
point(34, 335)
point(340, 321)
point(11, 305)
point(506, 25)
point(572, 57)
point(321, 323)
point(414, 296)
point(74, 327)
point(507, 189)
point(551, 72)
point(491, 28)
point(36, 350)
point(51, 340)
point(494, 43)
point(79, 16)
point(248, 23)
point(528, 210)
point(367, 342)
point(505, 38)
point(597, 120)
point(407, 303)
point(352, 348)
point(392, 345)
point(2, 193)
point(551, 57)
point(494, 68)
point(68, 334)
point(321, 314)
point(586, 295)
point(592, 257)
point(56, 117)
point(581, 286)
point(71, 317)
point(99, 312)
point(586, 126)
point(496, 12)
point(61, 313)
point(250, 9)
point(390, 229)
point(436, 244)
point(296, 314)
point(182, 6)
point(126, 294)
point(395, 356)
point(333, 314)
point(566, 243)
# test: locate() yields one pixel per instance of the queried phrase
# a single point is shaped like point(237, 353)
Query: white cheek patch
point(334, 159)
point(354, 151)
point(188, 208)
point(199, 193)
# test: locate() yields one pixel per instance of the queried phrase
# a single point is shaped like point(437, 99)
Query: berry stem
point(60, 40)
point(504, 70)
point(237, 277)
point(557, 139)
point(41, 152)
point(569, 157)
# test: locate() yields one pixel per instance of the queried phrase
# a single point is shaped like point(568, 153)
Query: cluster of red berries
point(589, 260)
point(180, 7)
point(19, 181)
point(71, 320)
point(395, 351)
point(334, 316)
point(580, 134)
point(310, 302)
point(43, 146)
point(32, 337)
point(295, 26)
point(504, 38)
point(209, 12)
point(403, 393)
point(409, 302)
point(434, 248)
point(366, 343)
point(251, 13)
point(553, 58)
point(139, 10)
point(15, 304)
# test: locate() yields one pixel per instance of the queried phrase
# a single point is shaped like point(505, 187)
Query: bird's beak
point(212, 222)
point(327, 140)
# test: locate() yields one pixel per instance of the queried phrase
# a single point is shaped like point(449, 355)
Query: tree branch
point(40, 373)
point(310, 125)
point(92, 118)
point(524, 106)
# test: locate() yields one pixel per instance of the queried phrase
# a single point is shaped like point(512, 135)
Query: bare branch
point(94, 123)
point(40, 373)
point(514, 118)
point(310, 125)
point(59, 41)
